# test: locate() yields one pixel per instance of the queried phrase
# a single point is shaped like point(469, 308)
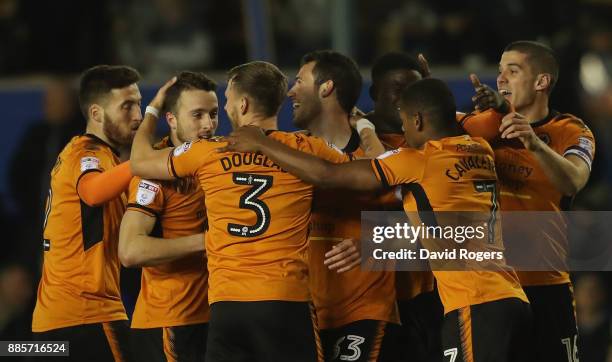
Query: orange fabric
point(168, 338)
point(377, 343)
point(113, 342)
point(342, 298)
point(408, 284)
point(524, 186)
point(176, 293)
point(80, 276)
point(100, 187)
point(446, 190)
point(258, 217)
point(481, 124)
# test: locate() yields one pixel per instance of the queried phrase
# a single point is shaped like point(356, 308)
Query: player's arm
point(369, 140)
point(96, 187)
point(356, 175)
point(138, 249)
point(568, 173)
point(146, 161)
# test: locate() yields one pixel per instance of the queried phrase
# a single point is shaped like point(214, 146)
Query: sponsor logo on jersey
point(389, 153)
point(146, 192)
point(89, 163)
point(182, 149)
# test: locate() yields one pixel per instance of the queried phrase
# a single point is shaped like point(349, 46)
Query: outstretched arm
point(356, 175)
point(138, 249)
point(146, 161)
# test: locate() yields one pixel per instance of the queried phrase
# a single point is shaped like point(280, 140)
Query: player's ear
point(244, 105)
point(326, 88)
point(543, 81)
point(95, 113)
point(171, 119)
point(418, 121)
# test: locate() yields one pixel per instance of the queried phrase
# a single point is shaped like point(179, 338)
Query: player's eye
point(214, 114)
point(197, 115)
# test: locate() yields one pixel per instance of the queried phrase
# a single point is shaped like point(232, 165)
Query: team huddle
point(249, 244)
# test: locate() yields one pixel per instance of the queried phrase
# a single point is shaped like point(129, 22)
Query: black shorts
point(266, 331)
point(554, 323)
point(180, 343)
point(364, 340)
point(107, 341)
point(495, 331)
point(421, 328)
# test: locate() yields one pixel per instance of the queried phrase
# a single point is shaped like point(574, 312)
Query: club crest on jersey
point(146, 192)
point(389, 153)
point(89, 163)
point(182, 149)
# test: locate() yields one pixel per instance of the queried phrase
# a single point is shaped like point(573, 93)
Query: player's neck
point(98, 132)
point(535, 111)
point(333, 127)
point(260, 121)
point(174, 138)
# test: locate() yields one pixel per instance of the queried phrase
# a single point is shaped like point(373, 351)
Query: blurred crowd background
point(44, 45)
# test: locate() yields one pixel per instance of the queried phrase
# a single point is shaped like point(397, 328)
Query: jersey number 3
point(249, 200)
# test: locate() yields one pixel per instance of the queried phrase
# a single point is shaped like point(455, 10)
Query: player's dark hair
point(186, 80)
point(98, 81)
point(432, 97)
point(263, 82)
point(541, 57)
point(342, 70)
point(394, 61)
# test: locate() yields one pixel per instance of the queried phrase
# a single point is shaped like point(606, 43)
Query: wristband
point(364, 123)
point(153, 111)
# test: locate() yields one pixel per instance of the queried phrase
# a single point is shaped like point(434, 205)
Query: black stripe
point(566, 203)
point(423, 205)
point(549, 117)
point(92, 225)
point(383, 178)
point(138, 206)
point(353, 143)
point(170, 159)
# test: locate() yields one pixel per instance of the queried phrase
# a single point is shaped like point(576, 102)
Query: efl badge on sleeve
point(146, 192)
point(89, 163)
point(182, 149)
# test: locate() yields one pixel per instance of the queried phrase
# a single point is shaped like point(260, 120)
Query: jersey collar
point(101, 141)
point(353, 143)
point(551, 114)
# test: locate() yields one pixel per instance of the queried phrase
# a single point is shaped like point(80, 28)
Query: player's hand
point(343, 257)
point(515, 125)
point(244, 139)
point(158, 100)
point(356, 115)
point(424, 65)
point(486, 97)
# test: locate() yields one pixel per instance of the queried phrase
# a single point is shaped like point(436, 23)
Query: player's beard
point(307, 112)
point(112, 130)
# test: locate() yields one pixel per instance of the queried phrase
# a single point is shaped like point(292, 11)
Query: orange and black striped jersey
point(343, 298)
point(525, 186)
point(435, 180)
point(80, 276)
point(258, 215)
point(175, 293)
point(408, 284)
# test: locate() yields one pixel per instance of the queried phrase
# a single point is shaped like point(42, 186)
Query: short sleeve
point(186, 159)
point(90, 158)
point(145, 196)
point(397, 167)
point(579, 141)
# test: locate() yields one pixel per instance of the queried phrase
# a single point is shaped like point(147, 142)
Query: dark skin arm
point(356, 175)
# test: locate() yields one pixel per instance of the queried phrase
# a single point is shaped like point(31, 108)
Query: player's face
point(305, 97)
point(389, 90)
point(122, 115)
point(197, 115)
point(516, 80)
point(232, 104)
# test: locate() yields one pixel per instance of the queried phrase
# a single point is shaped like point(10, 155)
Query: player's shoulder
point(400, 152)
point(567, 122)
point(200, 145)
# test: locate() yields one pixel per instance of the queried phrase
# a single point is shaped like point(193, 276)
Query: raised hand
point(158, 100)
point(486, 97)
point(424, 65)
